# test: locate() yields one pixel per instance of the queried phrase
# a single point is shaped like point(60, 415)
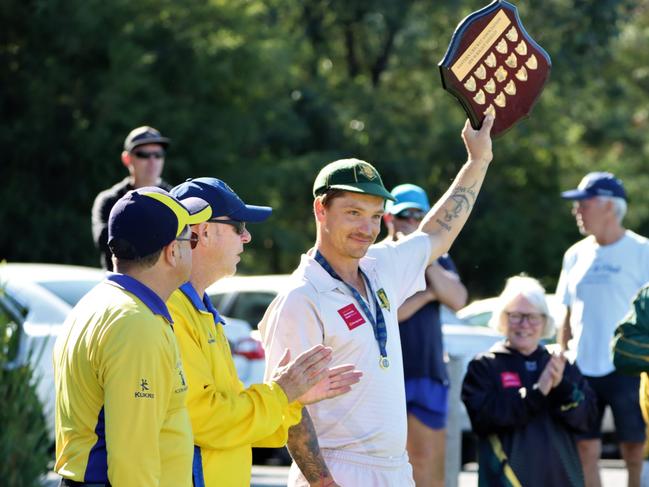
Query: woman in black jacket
point(524, 402)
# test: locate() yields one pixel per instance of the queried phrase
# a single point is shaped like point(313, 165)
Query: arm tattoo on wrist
point(305, 450)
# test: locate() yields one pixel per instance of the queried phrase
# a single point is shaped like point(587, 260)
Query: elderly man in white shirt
point(599, 277)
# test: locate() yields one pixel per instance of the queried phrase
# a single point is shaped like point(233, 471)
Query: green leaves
point(24, 446)
point(262, 93)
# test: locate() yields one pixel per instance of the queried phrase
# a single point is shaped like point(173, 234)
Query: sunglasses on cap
point(192, 239)
point(411, 213)
point(141, 154)
point(239, 226)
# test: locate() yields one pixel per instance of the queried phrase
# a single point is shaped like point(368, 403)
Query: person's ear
point(126, 159)
point(200, 229)
point(170, 253)
point(319, 209)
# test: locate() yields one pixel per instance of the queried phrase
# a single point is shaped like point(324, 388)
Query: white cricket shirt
point(371, 419)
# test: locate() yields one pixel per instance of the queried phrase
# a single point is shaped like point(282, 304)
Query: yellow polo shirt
point(227, 419)
point(120, 413)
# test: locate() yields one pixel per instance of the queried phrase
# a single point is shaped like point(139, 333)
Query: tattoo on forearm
point(443, 225)
point(305, 450)
point(461, 201)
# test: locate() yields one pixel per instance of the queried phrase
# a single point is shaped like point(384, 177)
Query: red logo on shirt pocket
point(351, 316)
point(510, 379)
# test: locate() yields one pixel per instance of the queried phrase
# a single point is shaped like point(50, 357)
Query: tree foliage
point(24, 445)
point(262, 93)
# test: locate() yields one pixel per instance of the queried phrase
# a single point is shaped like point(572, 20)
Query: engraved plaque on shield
point(492, 65)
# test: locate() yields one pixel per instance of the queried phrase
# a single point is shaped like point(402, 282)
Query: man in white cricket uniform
point(345, 295)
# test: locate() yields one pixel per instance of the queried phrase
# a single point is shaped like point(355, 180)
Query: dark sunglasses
point(192, 239)
point(141, 154)
point(239, 226)
point(408, 214)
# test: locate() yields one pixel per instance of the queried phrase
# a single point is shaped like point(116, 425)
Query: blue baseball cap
point(147, 219)
point(596, 184)
point(222, 199)
point(407, 196)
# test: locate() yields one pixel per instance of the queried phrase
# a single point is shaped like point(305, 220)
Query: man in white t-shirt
point(600, 276)
point(346, 294)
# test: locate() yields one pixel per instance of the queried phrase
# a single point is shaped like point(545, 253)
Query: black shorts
point(622, 394)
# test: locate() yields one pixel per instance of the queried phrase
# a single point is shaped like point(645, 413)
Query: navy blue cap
point(407, 196)
point(596, 184)
point(222, 200)
point(144, 135)
point(147, 219)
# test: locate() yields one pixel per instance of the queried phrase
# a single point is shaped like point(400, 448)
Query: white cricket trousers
point(358, 470)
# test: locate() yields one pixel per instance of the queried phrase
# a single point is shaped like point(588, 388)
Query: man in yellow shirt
point(227, 419)
point(120, 412)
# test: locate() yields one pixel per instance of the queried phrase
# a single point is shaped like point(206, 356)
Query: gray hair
point(619, 206)
point(530, 289)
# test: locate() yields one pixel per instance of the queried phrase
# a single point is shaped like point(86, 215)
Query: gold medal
point(384, 362)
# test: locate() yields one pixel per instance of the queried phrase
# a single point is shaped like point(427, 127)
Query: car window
point(69, 291)
point(251, 306)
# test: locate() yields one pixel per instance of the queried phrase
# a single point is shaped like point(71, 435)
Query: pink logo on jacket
point(510, 379)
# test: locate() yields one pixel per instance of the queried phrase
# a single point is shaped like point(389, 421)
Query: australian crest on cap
point(367, 170)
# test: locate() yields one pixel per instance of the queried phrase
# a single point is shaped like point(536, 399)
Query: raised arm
point(446, 218)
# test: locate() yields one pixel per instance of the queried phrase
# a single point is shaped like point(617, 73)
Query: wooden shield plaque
point(492, 65)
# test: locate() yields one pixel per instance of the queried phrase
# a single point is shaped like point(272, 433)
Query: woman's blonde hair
point(530, 289)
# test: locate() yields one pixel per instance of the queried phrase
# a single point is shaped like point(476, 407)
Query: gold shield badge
point(383, 299)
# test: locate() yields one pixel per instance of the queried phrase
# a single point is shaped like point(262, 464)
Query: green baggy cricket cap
point(351, 175)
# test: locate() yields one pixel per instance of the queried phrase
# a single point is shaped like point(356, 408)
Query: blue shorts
point(622, 394)
point(427, 399)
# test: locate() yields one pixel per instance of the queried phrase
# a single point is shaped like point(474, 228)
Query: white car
point(48, 292)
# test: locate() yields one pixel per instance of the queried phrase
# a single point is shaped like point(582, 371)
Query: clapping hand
point(339, 381)
point(552, 373)
point(308, 378)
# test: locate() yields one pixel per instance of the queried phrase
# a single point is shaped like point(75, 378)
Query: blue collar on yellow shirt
point(143, 293)
point(204, 304)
